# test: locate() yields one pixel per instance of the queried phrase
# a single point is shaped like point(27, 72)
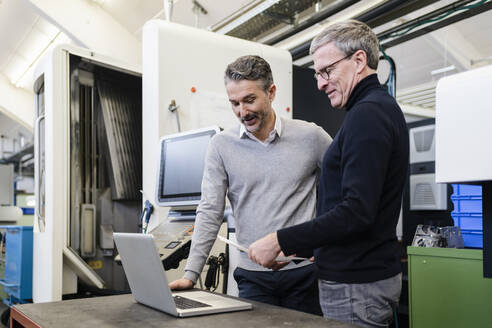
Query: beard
point(260, 121)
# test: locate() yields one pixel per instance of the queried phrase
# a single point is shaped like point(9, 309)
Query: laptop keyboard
point(184, 303)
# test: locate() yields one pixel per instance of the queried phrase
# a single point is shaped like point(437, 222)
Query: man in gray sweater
point(269, 168)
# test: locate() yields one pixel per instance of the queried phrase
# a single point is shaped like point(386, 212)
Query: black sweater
point(360, 193)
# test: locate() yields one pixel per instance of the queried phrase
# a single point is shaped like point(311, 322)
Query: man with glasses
point(268, 167)
point(363, 175)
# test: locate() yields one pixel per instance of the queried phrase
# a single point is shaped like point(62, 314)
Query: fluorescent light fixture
point(481, 60)
point(310, 34)
point(245, 16)
point(443, 70)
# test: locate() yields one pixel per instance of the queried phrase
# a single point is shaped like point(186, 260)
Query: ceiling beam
point(16, 103)
point(470, 12)
point(90, 26)
point(458, 49)
point(417, 110)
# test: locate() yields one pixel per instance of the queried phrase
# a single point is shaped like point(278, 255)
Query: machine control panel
point(173, 251)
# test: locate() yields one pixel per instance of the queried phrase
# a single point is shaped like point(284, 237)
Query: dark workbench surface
point(122, 311)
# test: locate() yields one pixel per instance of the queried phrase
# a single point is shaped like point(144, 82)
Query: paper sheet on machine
point(211, 108)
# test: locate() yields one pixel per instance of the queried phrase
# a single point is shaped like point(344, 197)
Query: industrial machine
point(183, 89)
point(97, 132)
point(88, 166)
point(424, 200)
point(425, 194)
point(181, 165)
point(175, 75)
point(16, 264)
point(463, 130)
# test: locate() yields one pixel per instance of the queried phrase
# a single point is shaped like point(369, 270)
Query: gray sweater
point(270, 186)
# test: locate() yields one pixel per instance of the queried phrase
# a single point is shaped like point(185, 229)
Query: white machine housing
point(187, 65)
point(464, 127)
point(55, 265)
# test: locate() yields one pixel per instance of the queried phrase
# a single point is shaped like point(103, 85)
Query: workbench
point(123, 311)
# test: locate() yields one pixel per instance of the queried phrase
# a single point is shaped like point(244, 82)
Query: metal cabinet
point(17, 279)
point(447, 288)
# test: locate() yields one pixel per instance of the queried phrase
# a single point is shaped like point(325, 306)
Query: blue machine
point(17, 280)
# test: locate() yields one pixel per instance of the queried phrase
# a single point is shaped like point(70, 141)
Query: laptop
point(149, 285)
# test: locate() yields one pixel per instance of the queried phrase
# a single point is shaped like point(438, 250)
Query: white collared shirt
point(277, 131)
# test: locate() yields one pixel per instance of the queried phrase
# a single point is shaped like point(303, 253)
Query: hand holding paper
point(244, 249)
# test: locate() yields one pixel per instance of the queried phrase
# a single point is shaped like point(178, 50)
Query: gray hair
point(252, 68)
point(350, 36)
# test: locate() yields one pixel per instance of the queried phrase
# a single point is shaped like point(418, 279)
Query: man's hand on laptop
point(180, 284)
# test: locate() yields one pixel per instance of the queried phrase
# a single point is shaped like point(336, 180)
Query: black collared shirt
point(360, 192)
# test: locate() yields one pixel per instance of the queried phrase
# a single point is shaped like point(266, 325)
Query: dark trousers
point(295, 289)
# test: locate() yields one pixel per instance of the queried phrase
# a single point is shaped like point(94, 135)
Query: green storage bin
point(447, 288)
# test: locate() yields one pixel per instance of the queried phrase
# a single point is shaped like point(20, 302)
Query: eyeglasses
point(325, 72)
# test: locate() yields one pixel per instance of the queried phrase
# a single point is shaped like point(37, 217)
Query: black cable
point(210, 278)
point(438, 25)
point(401, 27)
point(216, 266)
point(302, 50)
point(434, 19)
point(390, 83)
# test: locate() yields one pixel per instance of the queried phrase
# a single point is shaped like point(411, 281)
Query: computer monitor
point(182, 161)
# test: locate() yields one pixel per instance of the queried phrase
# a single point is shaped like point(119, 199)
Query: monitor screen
point(182, 162)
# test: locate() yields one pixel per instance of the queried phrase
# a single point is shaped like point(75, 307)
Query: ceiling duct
point(283, 12)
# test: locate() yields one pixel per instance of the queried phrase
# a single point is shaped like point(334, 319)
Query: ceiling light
point(443, 70)
point(481, 60)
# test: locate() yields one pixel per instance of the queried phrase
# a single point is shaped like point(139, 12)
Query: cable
point(431, 20)
point(216, 266)
point(395, 314)
point(200, 281)
point(390, 83)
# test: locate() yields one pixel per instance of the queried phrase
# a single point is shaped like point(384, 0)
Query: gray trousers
point(365, 305)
